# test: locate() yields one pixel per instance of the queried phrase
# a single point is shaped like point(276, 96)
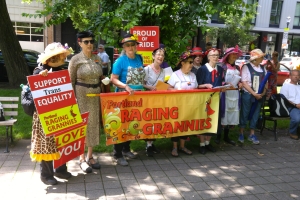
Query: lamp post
point(285, 36)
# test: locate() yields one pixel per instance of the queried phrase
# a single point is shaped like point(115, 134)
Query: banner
point(160, 114)
point(70, 143)
point(55, 101)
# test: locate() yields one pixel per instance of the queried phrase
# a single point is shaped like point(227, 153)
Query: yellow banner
point(57, 120)
point(147, 57)
point(150, 115)
point(71, 136)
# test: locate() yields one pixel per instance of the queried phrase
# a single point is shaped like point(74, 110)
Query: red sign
point(70, 144)
point(55, 101)
point(148, 37)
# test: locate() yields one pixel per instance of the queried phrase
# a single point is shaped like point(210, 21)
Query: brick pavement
point(266, 171)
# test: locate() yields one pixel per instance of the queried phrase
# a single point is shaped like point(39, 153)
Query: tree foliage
point(178, 20)
point(237, 27)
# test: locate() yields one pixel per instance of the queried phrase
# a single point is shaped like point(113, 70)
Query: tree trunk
point(15, 63)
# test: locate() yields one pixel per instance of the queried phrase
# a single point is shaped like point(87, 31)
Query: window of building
point(251, 2)
point(28, 31)
point(275, 13)
point(215, 18)
point(297, 16)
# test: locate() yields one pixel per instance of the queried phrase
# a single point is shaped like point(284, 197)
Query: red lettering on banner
point(147, 114)
point(208, 124)
point(157, 128)
point(202, 124)
point(147, 129)
point(135, 114)
point(168, 128)
point(64, 140)
point(124, 116)
point(174, 113)
point(178, 126)
point(189, 125)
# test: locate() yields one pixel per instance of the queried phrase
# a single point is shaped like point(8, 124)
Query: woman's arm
point(115, 80)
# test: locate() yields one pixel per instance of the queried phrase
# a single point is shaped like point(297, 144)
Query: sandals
point(96, 165)
point(174, 152)
point(85, 167)
point(186, 151)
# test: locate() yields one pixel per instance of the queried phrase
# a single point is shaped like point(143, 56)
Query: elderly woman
point(43, 149)
point(183, 79)
point(154, 73)
point(230, 98)
point(197, 51)
point(252, 74)
point(208, 76)
point(85, 71)
point(128, 75)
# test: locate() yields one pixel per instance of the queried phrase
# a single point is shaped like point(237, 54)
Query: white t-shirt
point(291, 92)
point(183, 81)
point(246, 76)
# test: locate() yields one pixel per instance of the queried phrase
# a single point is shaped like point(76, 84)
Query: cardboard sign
point(159, 114)
point(71, 142)
point(55, 101)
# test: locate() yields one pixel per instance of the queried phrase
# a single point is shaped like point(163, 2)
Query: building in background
point(269, 24)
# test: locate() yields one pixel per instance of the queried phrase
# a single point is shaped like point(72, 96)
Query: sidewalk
point(266, 171)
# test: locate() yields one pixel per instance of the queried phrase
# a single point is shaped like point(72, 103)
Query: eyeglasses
point(129, 44)
point(86, 42)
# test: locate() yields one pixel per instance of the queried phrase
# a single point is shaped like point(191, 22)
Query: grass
point(22, 129)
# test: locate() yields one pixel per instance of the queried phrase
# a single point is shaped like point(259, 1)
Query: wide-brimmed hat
point(256, 53)
point(184, 56)
point(232, 50)
point(197, 51)
point(129, 38)
point(53, 49)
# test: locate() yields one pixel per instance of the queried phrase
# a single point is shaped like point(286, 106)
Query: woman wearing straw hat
point(128, 75)
point(183, 79)
point(85, 71)
point(252, 75)
point(43, 149)
point(230, 99)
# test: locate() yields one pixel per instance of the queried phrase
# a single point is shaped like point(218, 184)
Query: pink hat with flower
point(231, 50)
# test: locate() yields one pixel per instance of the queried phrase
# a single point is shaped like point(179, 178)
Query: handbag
point(27, 102)
point(279, 106)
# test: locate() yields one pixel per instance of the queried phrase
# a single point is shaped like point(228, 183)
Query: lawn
point(22, 130)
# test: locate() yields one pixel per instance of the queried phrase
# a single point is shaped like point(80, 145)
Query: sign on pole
point(148, 37)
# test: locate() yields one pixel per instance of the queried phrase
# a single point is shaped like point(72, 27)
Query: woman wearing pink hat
point(230, 98)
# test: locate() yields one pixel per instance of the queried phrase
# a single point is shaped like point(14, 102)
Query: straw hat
point(231, 50)
point(129, 38)
point(53, 49)
point(256, 53)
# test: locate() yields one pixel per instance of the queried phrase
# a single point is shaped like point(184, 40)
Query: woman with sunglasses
point(85, 71)
point(127, 75)
point(208, 76)
point(182, 79)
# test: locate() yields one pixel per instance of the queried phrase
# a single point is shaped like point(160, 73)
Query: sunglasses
point(86, 42)
point(129, 44)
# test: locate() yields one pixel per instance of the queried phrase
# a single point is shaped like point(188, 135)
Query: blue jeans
point(295, 120)
point(245, 110)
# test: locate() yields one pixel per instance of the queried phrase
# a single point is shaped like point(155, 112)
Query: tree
point(13, 56)
point(237, 27)
point(178, 20)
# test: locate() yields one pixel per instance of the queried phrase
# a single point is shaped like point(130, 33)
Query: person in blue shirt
point(127, 75)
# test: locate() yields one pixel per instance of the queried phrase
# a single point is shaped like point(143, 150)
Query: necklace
point(188, 82)
point(155, 70)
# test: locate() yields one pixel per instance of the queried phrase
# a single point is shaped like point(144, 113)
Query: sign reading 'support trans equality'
point(55, 101)
point(160, 114)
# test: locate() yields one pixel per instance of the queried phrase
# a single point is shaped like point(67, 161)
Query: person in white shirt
point(104, 57)
point(252, 75)
point(291, 91)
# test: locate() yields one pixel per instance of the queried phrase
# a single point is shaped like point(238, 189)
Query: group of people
point(129, 74)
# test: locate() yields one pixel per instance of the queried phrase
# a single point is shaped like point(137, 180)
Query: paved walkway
point(266, 171)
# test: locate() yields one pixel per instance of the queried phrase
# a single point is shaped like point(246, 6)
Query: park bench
point(266, 116)
point(10, 107)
